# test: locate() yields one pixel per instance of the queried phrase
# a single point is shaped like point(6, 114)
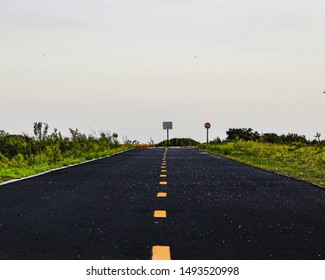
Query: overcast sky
point(128, 65)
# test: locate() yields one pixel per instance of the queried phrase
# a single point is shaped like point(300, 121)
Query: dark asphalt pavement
point(216, 209)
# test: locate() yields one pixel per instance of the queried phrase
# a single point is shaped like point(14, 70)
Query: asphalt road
point(209, 208)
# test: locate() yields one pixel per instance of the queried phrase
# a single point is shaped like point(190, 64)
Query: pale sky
point(128, 65)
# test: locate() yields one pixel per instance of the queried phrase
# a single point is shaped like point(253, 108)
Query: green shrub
point(18, 161)
point(53, 154)
point(3, 160)
point(299, 160)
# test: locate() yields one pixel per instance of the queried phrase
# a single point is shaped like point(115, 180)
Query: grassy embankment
point(19, 166)
point(23, 155)
point(305, 162)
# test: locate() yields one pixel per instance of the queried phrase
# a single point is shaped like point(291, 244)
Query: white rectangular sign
point(167, 125)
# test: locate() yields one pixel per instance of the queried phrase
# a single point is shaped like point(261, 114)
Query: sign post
point(167, 126)
point(207, 125)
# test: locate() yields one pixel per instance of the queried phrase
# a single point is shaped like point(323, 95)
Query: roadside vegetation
point(290, 154)
point(182, 142)
point(22, 155)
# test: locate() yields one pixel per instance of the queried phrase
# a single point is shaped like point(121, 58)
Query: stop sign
point(207, 125)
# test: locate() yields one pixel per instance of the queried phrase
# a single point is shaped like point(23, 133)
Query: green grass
point(303, 162)
point(20, 167)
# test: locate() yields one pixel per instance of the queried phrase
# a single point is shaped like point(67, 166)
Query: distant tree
point(179, 142)
point(216, 141)
point(3, 133)
point(56, 136)
point(114, 137)
point(40, 132)
point(317, 136)
point(270, 138)
point(242, 134)
point(294, 138)
point(111, 138)
point(77, 137)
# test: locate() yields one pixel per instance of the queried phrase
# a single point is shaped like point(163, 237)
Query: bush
point(53, 154)
point(3, 160)
point(179, 142)
point(18, 161)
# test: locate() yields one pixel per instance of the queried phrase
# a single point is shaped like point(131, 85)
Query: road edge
point(266, 170)
point(60, 168)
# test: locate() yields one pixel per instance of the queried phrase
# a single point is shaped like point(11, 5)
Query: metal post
point(167, 137)
point(167, 126)
point(207, 136)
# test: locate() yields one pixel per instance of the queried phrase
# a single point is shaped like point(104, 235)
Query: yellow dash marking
point(163, 175)
point(164, 171)
point(163, 167)
point(162, 194)
point(160, 214)
point(162, 183)
point(161, 253)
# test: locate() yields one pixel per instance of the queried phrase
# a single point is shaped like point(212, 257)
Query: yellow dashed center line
point(160, 214)
point(160, 253)
point(162, 194)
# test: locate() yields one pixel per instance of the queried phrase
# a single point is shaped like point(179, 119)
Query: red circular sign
point(207, 125)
